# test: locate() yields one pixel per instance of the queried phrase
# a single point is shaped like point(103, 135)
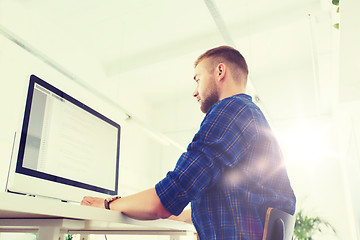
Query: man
point(233, 169)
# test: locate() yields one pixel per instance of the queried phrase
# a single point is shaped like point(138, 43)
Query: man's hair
point(225, 54)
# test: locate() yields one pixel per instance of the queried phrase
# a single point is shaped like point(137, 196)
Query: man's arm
point(144, 205)
point(185, 216)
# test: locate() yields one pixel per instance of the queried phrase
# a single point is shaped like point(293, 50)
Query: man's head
point(219, 73)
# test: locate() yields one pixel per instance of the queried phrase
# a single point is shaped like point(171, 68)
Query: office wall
point(178, 118)
point(348, 144)
point(348, 110)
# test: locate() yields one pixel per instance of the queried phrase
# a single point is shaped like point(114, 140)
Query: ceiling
point(145, 49)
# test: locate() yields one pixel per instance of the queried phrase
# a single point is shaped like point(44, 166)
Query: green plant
point(69, 237)
point(336, 3)
point(306, 227)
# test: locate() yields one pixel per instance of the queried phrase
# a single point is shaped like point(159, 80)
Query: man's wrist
point(107, 201)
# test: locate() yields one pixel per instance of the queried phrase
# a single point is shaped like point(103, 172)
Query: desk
point(52, 219)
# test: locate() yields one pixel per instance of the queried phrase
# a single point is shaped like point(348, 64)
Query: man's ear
point(221, 71)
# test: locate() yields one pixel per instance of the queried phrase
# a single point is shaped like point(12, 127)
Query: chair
point(279, 225)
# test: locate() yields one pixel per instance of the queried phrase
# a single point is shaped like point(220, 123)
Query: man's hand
point(93, 202)
point(145, 205)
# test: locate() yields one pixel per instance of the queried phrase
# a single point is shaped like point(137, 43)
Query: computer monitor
point(65, 149)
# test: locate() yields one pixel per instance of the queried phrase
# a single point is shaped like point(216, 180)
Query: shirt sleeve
point(223, 139)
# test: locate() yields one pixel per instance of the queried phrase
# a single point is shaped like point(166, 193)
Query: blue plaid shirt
point(232, 172)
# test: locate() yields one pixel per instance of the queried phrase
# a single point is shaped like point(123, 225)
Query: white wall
point(348, 145)
point(176, 118)
point(348, 112)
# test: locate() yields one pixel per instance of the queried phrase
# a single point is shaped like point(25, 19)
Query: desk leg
point(174, 237)
point(84, 236)
point(190, 236)
point(50, 233)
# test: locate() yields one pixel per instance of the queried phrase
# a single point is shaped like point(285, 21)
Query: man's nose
point(195, 93)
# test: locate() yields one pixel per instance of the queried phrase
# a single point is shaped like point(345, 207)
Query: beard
point(210, 99)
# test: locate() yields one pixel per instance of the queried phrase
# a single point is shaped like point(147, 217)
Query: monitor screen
point(66, 142)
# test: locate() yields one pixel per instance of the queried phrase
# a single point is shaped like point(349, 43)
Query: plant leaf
point(338, 10)
point(336, 25)
point(335, 2)
point(306, 227)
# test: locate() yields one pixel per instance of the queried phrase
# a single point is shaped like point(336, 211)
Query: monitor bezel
point(20, 169)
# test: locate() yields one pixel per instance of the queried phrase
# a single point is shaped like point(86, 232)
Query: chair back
point(279, 225)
